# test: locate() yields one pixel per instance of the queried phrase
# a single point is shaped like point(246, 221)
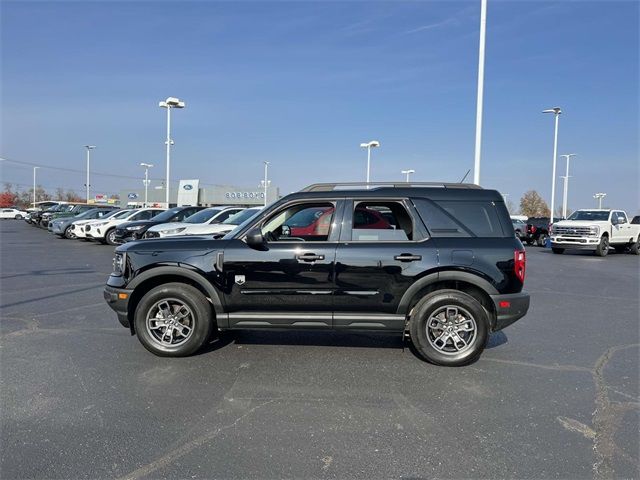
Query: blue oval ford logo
point(132, 196)
point(188, 187)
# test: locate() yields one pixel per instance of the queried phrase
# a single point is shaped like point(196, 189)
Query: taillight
point(519, 264)
point(533, 229)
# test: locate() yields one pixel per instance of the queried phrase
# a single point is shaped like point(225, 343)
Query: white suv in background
point(12, 213)
point(222, 227)
point(77, 227)
point(208, 216)
point(104, 230)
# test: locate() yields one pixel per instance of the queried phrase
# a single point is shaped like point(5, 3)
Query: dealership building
point(192, 192)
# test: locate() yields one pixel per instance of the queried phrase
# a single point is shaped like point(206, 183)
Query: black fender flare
point(431, 278)
point(185, 272)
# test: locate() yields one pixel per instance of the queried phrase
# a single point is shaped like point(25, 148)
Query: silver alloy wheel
point(170, 322)
point(111, 237)
point(451, 330)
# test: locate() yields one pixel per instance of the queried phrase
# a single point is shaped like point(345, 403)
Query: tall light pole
point(169, 103)
point(369, 146)
point(556, 112)
point(407, 173)
point(266, 182)
point(599, 197)
point(34, 186)
point(483, 32)
point(146, 166)
point(566, 185)
point(89, 148)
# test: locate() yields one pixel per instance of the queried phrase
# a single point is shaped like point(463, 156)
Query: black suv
point(135, 230)
point(439, 262)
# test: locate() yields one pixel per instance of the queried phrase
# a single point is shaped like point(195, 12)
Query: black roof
point(434, 191)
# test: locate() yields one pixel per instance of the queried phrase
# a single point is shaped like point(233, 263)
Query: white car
point(12, 213)
point(597, 230)
point(77, 227)
point(104, 230)
point(208, 216)
point(222, 227)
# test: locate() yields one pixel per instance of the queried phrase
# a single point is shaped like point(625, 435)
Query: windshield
point(202, 216)
point(86, 213)
point(112, 213)
point(240, 217)
point(251, 214)
point(590, 215)
point(167, 214)
point(123, 213)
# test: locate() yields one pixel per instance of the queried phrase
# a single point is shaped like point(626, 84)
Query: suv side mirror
point(255, 239)
point(620, 221)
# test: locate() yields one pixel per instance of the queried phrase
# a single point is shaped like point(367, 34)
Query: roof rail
point(326, 187)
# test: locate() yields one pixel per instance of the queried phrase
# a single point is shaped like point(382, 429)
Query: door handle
point(309, 257)
point(407, 257)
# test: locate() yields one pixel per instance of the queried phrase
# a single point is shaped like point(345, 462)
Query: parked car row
point(114, 226)
point(598, 230)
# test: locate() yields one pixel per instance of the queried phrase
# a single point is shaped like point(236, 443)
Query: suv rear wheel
point(173, 320)
point(635, 247)
point(449, 328)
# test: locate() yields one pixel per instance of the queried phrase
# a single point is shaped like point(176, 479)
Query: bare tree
point(533, 205)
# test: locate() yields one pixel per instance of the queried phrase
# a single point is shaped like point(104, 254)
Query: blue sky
point(302, 84)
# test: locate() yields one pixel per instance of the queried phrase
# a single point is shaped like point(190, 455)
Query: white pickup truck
point(596, 230)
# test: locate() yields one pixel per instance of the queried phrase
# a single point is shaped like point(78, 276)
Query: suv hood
point(200, 229)
point(578, 223)
point(172, 243)
point(168, 226)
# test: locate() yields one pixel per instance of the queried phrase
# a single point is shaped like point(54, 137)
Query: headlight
point(119, 264)
point(134, 228)
point(594, 230)
point(172, 231)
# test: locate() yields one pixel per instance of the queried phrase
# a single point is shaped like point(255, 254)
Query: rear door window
point(386, 221)
point(460, 218)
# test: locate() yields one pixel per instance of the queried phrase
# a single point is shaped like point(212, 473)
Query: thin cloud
point(431, 26)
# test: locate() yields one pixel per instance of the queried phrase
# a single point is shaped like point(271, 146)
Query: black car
point(635, 220)
point(443, 267)
point(135, 230)
point(537, 231)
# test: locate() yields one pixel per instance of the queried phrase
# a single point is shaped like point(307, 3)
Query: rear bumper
point(510, 308)
point(113, 297)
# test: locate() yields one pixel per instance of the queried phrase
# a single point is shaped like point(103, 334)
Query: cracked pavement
point(555, 395)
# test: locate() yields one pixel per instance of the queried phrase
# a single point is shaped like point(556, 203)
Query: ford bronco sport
point(437, 262)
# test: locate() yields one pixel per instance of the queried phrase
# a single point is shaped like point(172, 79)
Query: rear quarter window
point(462, 218)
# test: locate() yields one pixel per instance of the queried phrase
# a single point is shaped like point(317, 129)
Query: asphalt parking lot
point(555, 396)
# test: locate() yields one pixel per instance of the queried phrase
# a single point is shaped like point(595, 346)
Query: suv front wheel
point(173, 320)
point(449, 328)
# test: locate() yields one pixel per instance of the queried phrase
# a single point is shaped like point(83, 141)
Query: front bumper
point(57, 228)
point(118, 300)
point(581, 243)
point(509, 308)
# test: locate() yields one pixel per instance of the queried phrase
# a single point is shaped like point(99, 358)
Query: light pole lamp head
point(371, 144)
point(411, 170)
point(172, 102)
point(89, 147)
point(146, 165)
point(555, 110)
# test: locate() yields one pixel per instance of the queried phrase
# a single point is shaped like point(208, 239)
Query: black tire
point(634, 249)
point(68, 233)
point(529, 242)
point(558, 251)
point(603, 247)
point(18, 217)
point(542, 239)
point(620, 248)
point(110, 236)
point(421, 335)
point(200, 317)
